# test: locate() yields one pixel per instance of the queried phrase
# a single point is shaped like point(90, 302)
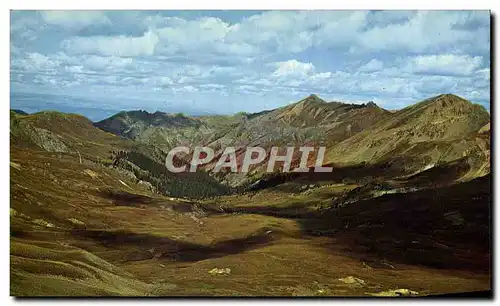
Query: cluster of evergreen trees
point(188, 184)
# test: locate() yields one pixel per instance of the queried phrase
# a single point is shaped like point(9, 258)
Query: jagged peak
point(143, 117)
point(144, 114)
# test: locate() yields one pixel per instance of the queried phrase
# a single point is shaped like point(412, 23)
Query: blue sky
point(230, 61)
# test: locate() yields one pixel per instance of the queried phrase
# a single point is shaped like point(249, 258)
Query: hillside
point(76, 136)
point(85, 229)
point(295, 123)
point(406, 211)
point(164, 130)
point(430, 134)
point(436, 131)
point(59, 132)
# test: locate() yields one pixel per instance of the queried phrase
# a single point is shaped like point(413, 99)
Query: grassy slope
point(134, 243)
point(438, 130)
point(59, 132)
point(79, 228)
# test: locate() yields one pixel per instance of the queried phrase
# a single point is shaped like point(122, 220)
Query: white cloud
point(371, 66)
point(110, 79)
point(74, 69)
point(74, 19)
point(342, 29)
point(35, 62)
point(435, 83)
point(279, 31)
point(24, 28)
point(294, 32)
point(209, 34)
point(292, 68)
point(194, 33)
point(444, 64)
point(397, 57)
point(112, 46)
point(247, 89)
point(387, 17)
point(286, 32)
point(291, 73)
point(212, 86)
point(41, 61)
point(134, 81)
point(484, 73)
point(427, 31)
point(103, 62)
point(187, 88)
point(164, 81)
point(320, 76)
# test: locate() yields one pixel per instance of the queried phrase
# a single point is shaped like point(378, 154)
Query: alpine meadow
point(314, 153)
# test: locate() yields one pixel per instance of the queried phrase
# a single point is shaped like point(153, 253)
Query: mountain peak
point(448, 98)
point(311, 99)
point(442, 116)
point(315, 98)
point(449, 103)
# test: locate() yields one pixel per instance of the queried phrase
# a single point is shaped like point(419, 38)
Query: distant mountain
point(94, 108)
point(306, 120)
point(19, 112)
point(438, 130)
point(442, 130)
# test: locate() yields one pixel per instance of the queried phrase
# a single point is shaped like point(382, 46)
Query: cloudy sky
point(230, 61)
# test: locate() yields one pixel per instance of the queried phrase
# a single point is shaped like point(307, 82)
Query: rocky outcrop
point(396, 292)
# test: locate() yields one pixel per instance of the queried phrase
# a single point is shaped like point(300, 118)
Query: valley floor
point(129, 263)
point(79, 229)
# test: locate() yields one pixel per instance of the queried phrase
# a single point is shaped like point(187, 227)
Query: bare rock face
point(353, 281)
point(485, 129)
point(396, 292)
point(222, 271)
point(147, 185)
point(48, 140)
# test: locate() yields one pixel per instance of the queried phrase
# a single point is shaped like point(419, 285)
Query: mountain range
point(94, 211)
point(410, 140)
